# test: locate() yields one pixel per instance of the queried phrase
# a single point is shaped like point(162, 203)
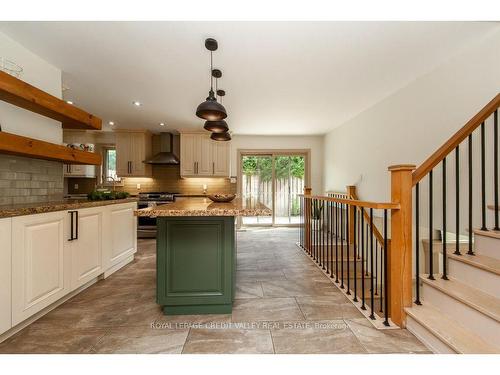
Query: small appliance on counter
point(146, 226)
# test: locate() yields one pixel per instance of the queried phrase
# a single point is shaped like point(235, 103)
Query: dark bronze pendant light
point(219, 126)
point(210, 109)
point(221, 136)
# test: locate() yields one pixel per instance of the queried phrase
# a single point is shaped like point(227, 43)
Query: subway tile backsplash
point(25, 180)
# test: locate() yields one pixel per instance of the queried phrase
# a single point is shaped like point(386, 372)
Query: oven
point(146, 226)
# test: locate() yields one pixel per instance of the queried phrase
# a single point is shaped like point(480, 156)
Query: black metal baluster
point(336, 242)
point(381, 277)
point(327, 237)
point(417, 244)
point(342, 245)
point(457, 201)
point(495, 166)
point(367, 242)
point(386, 285)
point(363, 307)
point(355, 245)
point(483, 180)
point(431, 234)
point(445, 276)
point(376, 266)
point(347, 234)
point(470, 252)
point(372, 315)
point(322, 237)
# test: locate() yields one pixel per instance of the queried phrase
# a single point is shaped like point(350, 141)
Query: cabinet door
point(204, 155)
point(123, 233)
point(40, 262)
point(5, 275)
point(86, 250)
point(220, 158)
point(140, 151)
point(123, 154)
point(188, 147)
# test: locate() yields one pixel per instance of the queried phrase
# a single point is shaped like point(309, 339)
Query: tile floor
point(284, 304)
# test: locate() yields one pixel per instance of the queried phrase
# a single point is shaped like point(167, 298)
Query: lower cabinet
point(122, 234)
point(86, 248)
point(55, 253)
point(5, 275)
point(40, 262)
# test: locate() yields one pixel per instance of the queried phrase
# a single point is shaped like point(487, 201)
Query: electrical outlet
point(138, 186)
point(76, 186)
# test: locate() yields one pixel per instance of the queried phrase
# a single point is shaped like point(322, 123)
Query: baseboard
point(117, 266)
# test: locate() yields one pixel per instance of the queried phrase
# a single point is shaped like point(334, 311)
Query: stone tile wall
point(25, 180)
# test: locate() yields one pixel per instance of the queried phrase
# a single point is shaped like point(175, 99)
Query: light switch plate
point(232, 179)
point(76, 186)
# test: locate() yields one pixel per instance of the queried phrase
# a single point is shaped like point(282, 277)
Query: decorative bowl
point(221, 197)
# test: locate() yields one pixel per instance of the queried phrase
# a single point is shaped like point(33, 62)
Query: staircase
point(462, 314)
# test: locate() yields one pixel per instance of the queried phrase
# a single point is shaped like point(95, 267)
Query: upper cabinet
point(132, 148)
point(202, 157)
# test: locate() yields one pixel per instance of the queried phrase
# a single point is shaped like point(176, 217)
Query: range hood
point(166, 154)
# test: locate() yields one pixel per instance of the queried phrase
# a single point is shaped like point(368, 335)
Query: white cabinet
point(121, 228)
point(5, 275)
point(86, 248)
point(202, 157)
point(77, 170)
point(132, 148)
point(40, 262)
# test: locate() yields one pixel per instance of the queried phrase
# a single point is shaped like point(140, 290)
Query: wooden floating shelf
point(24, 95)
point(23, 146)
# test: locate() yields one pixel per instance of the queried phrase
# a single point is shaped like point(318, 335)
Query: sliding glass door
point(275, 179)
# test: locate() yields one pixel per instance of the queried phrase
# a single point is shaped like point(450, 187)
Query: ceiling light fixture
point(69, 102)
point(162, 124)
point(220, 136)
point(111, 123)
point(210, 109)
point(219, 126)
point(136, 103)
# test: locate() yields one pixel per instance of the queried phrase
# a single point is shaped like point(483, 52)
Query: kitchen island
point(196, 253)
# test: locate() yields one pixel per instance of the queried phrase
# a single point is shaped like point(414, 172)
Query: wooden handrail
point(357, 203)
point(376, 232)
point(455, 140)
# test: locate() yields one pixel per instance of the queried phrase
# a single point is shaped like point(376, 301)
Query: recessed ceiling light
point(136, 103)
point(162, 124)
point(69, 102)
point(111, 123)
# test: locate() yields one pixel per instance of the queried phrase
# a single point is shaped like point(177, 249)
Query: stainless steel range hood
point(166, 154)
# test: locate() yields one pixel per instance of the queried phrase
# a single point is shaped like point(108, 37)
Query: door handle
point(213, 167)
point(73, 225)
point(194, 167)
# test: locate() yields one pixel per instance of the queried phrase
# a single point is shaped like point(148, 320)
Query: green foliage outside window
point(285, 166)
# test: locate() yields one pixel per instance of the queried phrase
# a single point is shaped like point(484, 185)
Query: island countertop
point(205, 207)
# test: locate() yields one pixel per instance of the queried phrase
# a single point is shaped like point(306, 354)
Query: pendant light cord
point(211, 76)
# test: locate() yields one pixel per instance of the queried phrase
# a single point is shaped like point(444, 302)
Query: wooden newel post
point(307, 219)
point(351, 194)
point(400, 252)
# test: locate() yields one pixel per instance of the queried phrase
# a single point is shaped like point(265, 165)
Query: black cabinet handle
point(73, 225)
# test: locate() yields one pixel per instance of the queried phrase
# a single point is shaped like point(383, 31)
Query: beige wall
point(255, 142)
point(41, 74)
point(412, 123)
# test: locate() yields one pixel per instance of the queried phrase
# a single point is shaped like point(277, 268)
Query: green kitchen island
point(196, 253)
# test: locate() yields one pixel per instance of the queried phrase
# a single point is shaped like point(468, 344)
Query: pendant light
point(219, 126)
point(221, 136)
point(210, 109)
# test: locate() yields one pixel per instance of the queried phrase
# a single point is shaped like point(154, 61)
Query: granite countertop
point(205, 207)
point(10, 210)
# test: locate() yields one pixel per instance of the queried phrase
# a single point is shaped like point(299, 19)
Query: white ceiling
point(280, 77)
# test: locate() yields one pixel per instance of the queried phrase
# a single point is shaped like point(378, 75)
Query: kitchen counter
point(11, 210)
point(205, 207)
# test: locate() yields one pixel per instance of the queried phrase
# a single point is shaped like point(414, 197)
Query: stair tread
point(475, 298)
point(488, 233)
point(449, 331)
point(480, 261)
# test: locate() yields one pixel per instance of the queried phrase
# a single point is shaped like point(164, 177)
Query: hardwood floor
point(284, 304)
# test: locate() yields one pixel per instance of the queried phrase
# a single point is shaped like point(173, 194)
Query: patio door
point(274, 178)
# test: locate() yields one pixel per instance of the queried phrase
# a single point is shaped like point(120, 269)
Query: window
point(109, 166)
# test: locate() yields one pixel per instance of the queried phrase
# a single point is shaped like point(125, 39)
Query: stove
point(146, 226)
